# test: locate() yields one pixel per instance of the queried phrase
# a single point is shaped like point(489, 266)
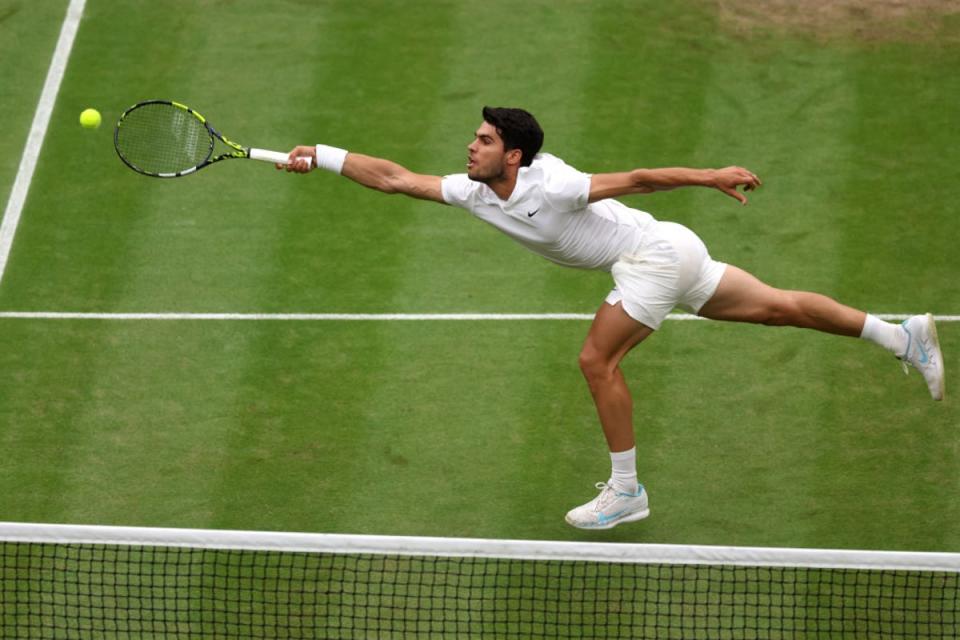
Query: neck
point(504, 185)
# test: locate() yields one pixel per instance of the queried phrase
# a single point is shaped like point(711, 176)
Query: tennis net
point(61, 581)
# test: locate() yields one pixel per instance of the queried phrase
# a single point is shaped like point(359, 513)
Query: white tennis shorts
point(671, 268)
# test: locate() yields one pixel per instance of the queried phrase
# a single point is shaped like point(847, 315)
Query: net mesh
point(106, 591)
point(162, 139)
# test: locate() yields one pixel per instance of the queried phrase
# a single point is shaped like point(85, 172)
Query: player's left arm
point(727, 180)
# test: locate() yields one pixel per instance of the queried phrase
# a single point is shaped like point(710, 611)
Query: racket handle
point(275, 157)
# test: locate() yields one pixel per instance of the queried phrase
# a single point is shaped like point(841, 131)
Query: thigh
point(741, 297)
point(613, 334)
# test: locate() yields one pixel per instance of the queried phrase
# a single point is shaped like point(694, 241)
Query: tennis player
point(572, 218)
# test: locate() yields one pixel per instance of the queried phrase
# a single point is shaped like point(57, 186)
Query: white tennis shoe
point(923, 352)
point(610, 508)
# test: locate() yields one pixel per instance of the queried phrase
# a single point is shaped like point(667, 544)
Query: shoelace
point(607, 495)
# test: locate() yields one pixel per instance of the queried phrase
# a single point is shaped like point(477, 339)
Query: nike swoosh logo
point(924, 354)
point(533, 213)
point(603, 519)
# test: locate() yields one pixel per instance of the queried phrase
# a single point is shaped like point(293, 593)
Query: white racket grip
point(275, 157)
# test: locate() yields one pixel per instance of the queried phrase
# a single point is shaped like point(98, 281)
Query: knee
point(780, 311)
point(594, 366)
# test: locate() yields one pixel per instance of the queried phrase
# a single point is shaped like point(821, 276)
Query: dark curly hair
point(518, 129)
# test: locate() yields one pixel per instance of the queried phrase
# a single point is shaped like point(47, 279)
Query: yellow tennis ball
point(90, 119)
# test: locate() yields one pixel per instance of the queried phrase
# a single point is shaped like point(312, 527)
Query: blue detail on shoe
point(906, 353)
point(607, 519)
point(602, 519)
point(924, 355)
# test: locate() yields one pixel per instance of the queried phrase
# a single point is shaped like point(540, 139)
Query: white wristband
point(330, 158)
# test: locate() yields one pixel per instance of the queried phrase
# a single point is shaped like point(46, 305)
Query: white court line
point(64, 315)
point(38, 130)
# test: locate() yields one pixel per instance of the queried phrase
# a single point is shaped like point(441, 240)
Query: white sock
point(890, 336)
point(624, 476)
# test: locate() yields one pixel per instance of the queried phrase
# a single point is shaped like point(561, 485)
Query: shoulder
point(555, 174)
point(551, 164)
point(561, 182)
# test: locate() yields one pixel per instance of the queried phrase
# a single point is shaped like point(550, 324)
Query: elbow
point(383, 184)
point(390, 184)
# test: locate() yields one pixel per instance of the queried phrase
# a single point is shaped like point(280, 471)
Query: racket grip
point(275, 157)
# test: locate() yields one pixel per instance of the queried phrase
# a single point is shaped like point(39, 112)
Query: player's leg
point(741, 297)
point(645, 294)
point(612, 335)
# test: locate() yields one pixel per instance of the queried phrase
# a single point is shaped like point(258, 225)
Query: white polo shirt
point(548, 213)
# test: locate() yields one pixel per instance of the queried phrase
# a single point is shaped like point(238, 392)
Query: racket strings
point(163, 139)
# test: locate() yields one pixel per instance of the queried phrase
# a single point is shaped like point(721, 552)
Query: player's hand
point(302, 160)
point(729, 178)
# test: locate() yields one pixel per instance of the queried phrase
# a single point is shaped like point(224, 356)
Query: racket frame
point(235, 150)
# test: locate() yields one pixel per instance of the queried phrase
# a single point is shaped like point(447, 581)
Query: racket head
point(163, 139)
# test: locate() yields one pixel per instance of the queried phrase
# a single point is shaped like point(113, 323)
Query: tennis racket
point(166, 139)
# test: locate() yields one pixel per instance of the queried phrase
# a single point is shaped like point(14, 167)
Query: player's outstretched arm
point(375, 173)
point(727, 180)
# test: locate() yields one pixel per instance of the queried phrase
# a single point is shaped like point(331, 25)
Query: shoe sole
point(932, 327)
point(633, 517)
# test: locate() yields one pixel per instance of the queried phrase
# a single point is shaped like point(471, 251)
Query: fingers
point(734, 177)
point(301, 164)
point(744, 177)
point(301, 160)
point(733, 193)
point(751, 181)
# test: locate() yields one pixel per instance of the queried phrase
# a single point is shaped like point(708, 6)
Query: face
point(487, 159)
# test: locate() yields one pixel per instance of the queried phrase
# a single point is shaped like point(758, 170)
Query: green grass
point(747, 435)
point(30, 27)
point(406, 428)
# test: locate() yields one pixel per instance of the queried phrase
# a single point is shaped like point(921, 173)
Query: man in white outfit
point(571, 218)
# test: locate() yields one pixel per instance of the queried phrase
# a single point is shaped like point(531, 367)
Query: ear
point(514, 156)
